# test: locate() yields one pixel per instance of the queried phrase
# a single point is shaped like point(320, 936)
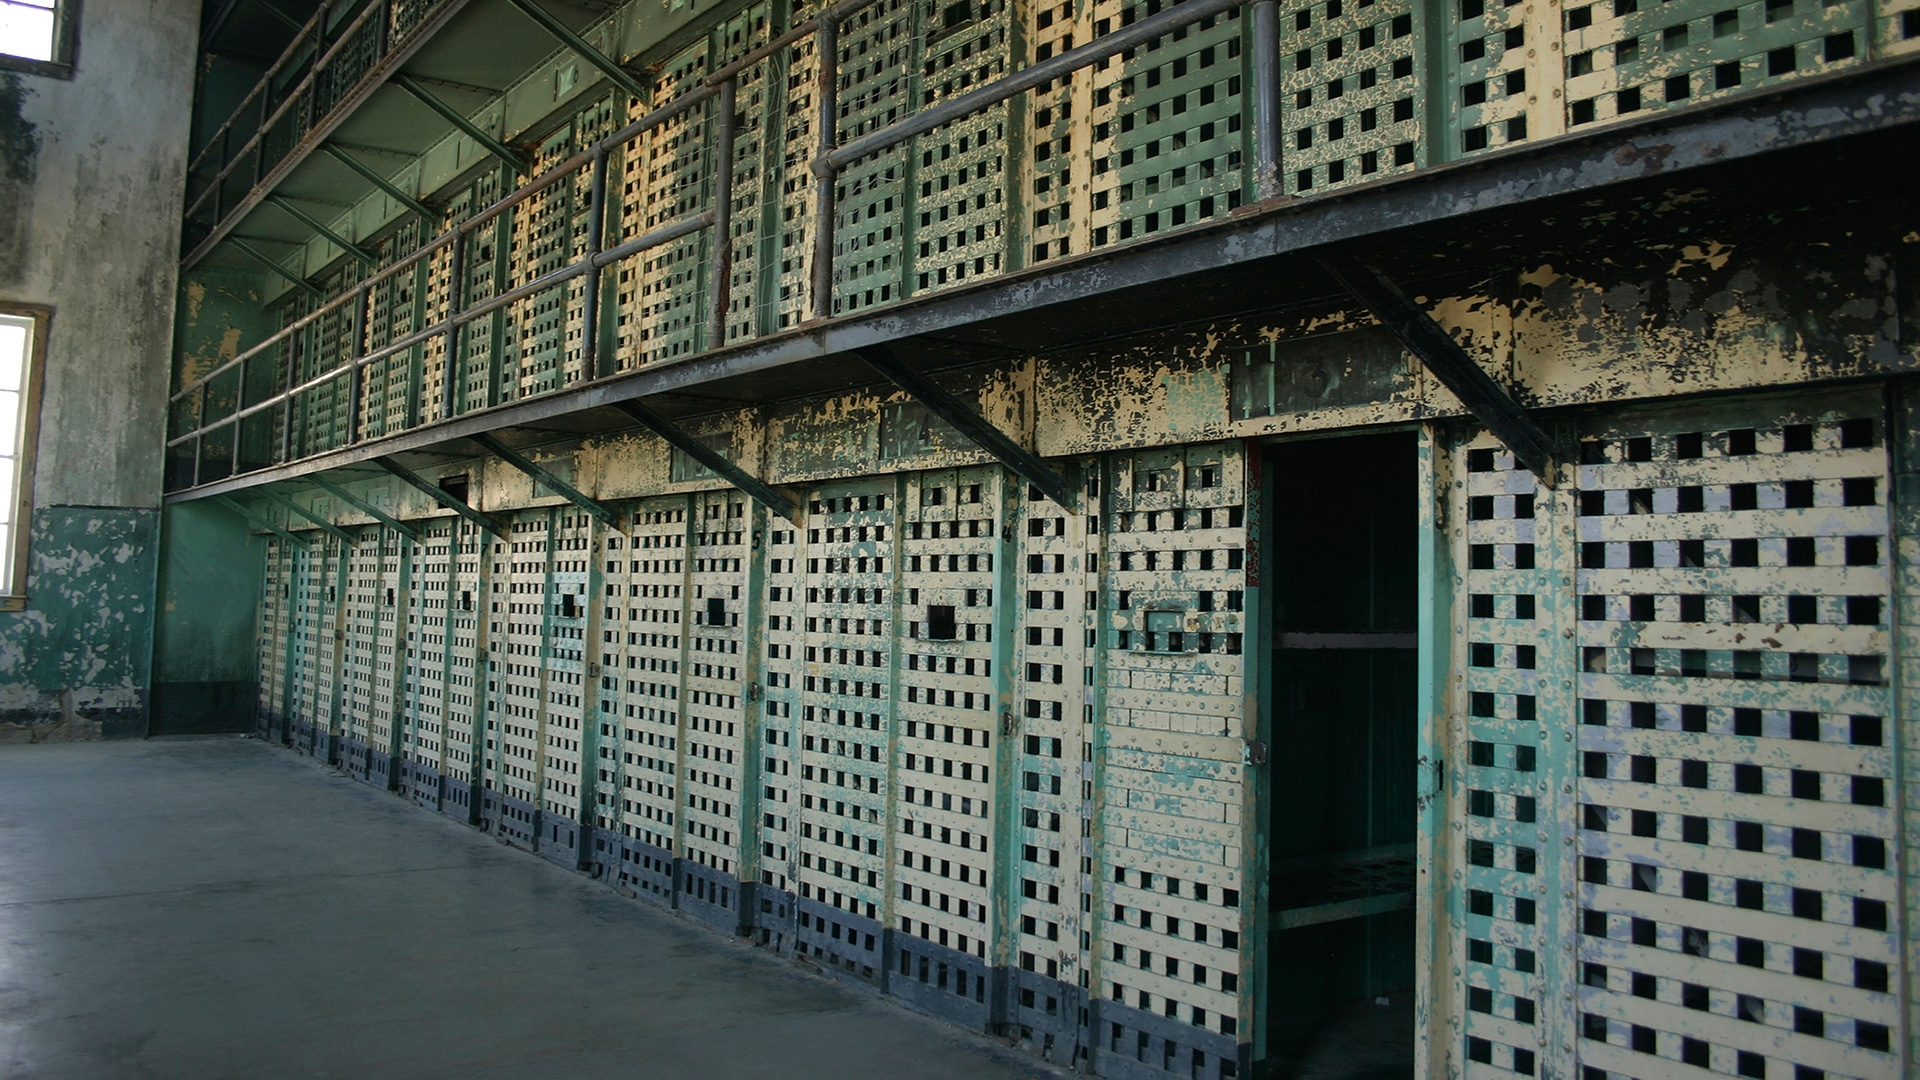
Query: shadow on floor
point(1355, 1040)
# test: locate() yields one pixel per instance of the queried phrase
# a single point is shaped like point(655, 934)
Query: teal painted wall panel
point(77, 662)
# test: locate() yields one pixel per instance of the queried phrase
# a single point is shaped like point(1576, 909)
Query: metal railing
point(333, 66)
point(214, 409)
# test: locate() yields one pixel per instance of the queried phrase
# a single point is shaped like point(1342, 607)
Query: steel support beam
point(286, 206)
point(514, 159)
point(546, 479)
point(260, 257)
point(755, 488)
point(1426, 339)
point(370, 176)
point(366, 508)
point(1030, 466)
point(433, 491)
point(292, 507)
point(235, 505)
point(581, 46)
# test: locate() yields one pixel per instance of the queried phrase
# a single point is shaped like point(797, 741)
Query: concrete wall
point(90, 188)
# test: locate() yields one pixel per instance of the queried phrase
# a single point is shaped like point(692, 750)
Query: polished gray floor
point(215, 908)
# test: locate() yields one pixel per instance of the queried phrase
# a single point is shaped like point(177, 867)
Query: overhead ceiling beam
point(366, 508)
point(443, 498)
point(289, 21)
point(286, 206)
point(755, 488)
point(606, 65)
point(235, 505)
point(978, 429)
point(292, 507)
point(370, 176)
point(219, 21)
point(545, 479)
point(1486, 399)
point(258, 256)
point(514, 159)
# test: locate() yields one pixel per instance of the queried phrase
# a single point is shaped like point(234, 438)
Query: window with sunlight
point(19, 333)
point(32, 30)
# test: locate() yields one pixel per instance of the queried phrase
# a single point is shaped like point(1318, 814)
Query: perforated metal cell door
point(1626, 58)
point(463, 724)
point(386, 709)
point(517, 637)
point(643, 674)
point(948, 730)
point(664, 178)
point(1169, 778)
point(359, 639)
point(791, 285)
point(423, 671)
point(1350, 106)
point(313, 636)
point(960, 211)
point(1504, 999)
point(480, 377)
point(389, 390)
point(846, 724)
point(534, 356)
point(879, 47)
point(714, 773)
point(272, 644)
point(565, 696)
point(1053, 884)
point(779, 823)
point(1739, 904)
point(329, 559)
point(755, 198)
point(1166, 137)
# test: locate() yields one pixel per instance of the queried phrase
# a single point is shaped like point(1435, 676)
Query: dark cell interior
point(1345, 577)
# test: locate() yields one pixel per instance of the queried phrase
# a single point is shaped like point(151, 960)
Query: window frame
point(22, 526)
point(66, 46)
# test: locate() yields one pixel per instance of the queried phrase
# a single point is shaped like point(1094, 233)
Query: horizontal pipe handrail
point(1021, 81)
point(833, 14)
point(663, 235)
point(708, 88)
point(825, 165)
point(521, 194)
point(286, 56)
point(292, 97)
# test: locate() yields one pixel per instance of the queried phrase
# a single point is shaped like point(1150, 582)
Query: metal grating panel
point(1168, 774)
point(360, 642)
point(755, 166)
point(421, 710)
point(1166, 130)
point(521, 577)
point(790, 264)
point(464, 723)
point(1505, 765)
point(962, 220)
point(948, 730)
point(878, 53)
point(1055, 694)
point(661, 292)
point(273, 627)
point(643, 653)
point(714, 772)
point(1351, 103)
point(1627, 57)
point(535, 359)
point(1739, 901)
point(845, 711)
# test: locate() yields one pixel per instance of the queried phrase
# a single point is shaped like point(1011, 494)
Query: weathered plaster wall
point(89, 220)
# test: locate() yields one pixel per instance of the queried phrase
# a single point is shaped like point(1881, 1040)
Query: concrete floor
point(214, 908)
